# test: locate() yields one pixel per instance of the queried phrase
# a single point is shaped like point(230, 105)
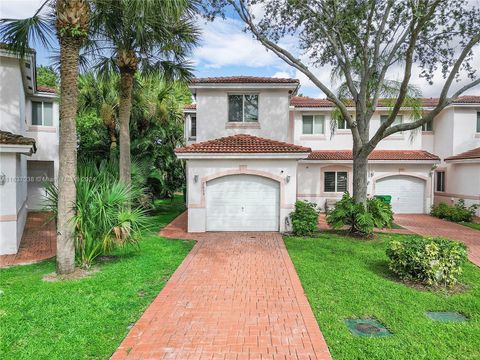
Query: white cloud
point(282, 75)
point(224, 44)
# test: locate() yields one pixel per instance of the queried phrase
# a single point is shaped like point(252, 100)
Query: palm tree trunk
point(69, 61)
point(126, 85)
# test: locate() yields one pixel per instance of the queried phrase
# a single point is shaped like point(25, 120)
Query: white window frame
point(243, 94)
point(442, 181)
point(336, 180)
point(190, 135)
point(43, 112)
point(314, 118)
point(478, 122)
point(425, 126)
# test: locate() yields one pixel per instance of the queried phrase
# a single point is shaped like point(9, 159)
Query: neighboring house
point(28, 145)
point(254, 148)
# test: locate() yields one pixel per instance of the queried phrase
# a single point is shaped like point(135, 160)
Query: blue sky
point(226, 50)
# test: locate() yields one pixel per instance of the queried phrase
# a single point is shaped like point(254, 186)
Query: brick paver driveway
point(236, 296)
point(427, 225)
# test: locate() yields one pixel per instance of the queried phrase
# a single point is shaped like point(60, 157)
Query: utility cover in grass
point(367, 327)
point(446, 316)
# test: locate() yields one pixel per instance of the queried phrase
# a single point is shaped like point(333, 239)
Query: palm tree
point(100, 94)
point(70, 19)
point(153, 36)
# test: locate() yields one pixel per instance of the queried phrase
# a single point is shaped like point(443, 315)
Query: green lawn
point(349, 278)
point(87, 318)
point(472, 225)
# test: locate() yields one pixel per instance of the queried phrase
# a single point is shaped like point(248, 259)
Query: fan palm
point(70, 20)
point(153, 36)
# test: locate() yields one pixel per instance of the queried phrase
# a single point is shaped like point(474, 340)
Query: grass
point(472, 225)
point(349, 278)
point(87, 318)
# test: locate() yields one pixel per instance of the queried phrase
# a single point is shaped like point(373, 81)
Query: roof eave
point(26, 149)
point(239, 155)
point(463, 161)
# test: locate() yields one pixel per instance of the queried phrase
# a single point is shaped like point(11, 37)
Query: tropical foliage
point(457, 212)
point(47, 76)
point(104, 219)
point(360, 218)
point(430, 261)
point(304, 218)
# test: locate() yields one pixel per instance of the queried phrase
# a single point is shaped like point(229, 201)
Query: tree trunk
point(360, 171)
point(69, 61)
point(126, 84)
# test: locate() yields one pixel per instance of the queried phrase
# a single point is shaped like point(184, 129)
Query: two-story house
point(29, 139)
point(254, 148)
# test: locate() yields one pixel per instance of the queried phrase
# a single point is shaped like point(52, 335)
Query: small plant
point(304, 218)
point(434, 262)
point(361, 218)
point(458, 212)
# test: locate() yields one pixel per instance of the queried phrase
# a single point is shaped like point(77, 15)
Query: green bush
point(457, 213)
point(304, 218)
point(105, 217)
point(361, 218)
point(430, 261)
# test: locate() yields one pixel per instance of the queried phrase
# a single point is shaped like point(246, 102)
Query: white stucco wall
point(209, 169)
point(310, 179)
point(212, 115)
point(12, 104)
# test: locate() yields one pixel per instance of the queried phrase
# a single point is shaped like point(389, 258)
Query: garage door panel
point(408, 193)
point(242, 203)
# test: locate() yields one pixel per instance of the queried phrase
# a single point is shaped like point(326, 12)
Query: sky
point(226, 50)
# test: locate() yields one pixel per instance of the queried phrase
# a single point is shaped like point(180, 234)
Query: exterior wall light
point(195, 178)
point(287, 179)
point(3, 179)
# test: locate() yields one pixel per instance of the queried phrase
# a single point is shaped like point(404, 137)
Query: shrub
point(104, 217)
point(457, 213)
point(361, 218)
point(304, 218)
point(430, 261)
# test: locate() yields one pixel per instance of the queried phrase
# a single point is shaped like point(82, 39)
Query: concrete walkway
point(38, 241)
point(235, 296)
point(427, 225)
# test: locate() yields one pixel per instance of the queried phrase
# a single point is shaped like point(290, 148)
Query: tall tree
point(365, 41)
point(154, 36)
point(70, 19)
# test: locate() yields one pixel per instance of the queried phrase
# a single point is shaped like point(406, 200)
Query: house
point(253, 148)
point(29, 130)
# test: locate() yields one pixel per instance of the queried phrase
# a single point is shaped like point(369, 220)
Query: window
point(42, 113)
point(313, 124)
point(193, 126)
point(440, 182)
point(335, 181)
point(342, 125)
point(243, 108)
point(397, 121)
point(427, 126)
point(478, 122)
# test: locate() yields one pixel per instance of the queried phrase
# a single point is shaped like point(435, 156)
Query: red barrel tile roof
point(374, 155)
point(46, 89)
point(470, 154)
point(302, 101)
point(190, 107)
point(243, 143)
point(243, 79)
point(9, 138)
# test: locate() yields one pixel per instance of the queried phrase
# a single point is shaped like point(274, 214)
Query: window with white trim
point(243, 108)
point(398, 119)
point(193, 126)
point(313, 124)
point(440, 181)
point(335, 181)
point(42, 113)
point(342, 124)
point(428, 126)
point(478, 122)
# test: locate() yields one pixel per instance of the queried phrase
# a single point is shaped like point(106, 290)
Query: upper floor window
point(243, 108)
point(428, 126)
point(42, 113)
point(313, 124)
point(478, 122)
point(193, 126)
point(398, 119)
point(440, 181)
point(335, 181)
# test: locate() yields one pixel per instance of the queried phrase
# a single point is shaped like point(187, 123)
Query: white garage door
point(408, 193)
point(242, 203)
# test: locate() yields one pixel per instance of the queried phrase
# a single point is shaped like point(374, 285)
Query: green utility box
point(385, 198)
